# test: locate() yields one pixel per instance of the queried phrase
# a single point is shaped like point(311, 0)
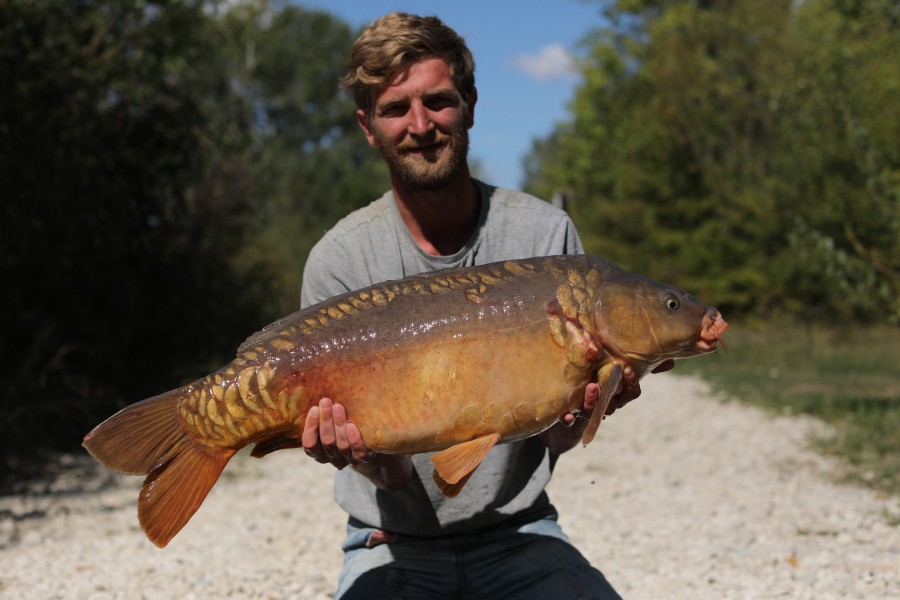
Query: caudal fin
point(146, 438)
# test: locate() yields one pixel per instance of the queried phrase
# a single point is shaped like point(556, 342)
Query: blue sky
point(523, 77)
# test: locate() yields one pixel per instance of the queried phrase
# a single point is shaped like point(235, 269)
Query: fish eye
point(672, 302)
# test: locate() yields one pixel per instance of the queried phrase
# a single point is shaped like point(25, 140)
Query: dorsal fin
point(264, 333)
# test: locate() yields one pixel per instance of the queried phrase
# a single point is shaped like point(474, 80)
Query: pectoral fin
point(454, 465)
point(608, 379)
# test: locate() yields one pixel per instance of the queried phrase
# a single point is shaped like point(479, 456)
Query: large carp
point(456, 361)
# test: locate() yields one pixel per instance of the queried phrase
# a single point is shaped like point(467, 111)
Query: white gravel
point(680, 496)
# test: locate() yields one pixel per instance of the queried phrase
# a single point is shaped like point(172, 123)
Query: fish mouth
point(711, 330)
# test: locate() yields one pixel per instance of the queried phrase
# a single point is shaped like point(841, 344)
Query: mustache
point(438, 139)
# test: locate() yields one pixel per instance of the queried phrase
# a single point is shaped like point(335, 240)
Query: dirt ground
point(682, 496)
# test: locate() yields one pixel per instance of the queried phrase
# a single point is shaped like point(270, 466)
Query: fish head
point(645, 322)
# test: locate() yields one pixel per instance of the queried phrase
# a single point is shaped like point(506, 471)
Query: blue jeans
point(530, 562)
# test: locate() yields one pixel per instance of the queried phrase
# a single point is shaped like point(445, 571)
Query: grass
point(849, 376)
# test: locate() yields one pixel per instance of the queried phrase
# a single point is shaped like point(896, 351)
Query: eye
point(439, 103)
point(392, 109)
point(672, 302)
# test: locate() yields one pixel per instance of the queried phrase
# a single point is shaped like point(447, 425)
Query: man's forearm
point(561, 437)
point(387, 471)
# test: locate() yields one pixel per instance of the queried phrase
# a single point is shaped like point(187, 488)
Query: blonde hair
point(394, 42)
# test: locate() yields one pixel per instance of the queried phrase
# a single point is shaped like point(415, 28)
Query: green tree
point(163, 170)
point(703, 144)
point(310, 163)
point(845, 161)
point(97, 151)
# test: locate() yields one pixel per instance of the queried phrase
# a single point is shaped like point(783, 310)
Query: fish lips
point(711, 330)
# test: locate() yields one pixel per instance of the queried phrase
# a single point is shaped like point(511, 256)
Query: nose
point(420, 122)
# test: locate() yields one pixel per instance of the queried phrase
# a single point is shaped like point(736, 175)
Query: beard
point(422, 172)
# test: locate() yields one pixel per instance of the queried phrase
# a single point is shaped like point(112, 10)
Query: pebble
point(681, 496)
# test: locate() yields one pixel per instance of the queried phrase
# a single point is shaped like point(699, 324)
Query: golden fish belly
point(424, 397)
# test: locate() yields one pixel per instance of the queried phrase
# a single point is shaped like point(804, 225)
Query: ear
point(363, 119)
point(470, 116)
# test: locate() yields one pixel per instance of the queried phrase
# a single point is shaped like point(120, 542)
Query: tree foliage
point(311, 164)
point(164, 168)
point(744, 149)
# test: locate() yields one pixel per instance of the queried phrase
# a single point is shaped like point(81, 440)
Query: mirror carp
point(452, 361)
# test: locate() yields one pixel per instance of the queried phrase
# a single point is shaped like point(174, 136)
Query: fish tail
point(146, 438)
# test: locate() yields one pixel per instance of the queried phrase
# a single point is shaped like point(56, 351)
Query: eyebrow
point(447, 92)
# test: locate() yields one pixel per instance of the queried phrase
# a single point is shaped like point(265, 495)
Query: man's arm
point(566, 434)
point(328, 435)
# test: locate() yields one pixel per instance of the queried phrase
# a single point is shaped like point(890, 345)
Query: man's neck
point(441, 221)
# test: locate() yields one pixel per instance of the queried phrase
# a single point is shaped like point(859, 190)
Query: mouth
point(425, 145)
point(424, 150)
point(711, 331)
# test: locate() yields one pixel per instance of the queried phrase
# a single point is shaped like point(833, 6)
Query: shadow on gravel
point(57, 474)
point(42, 488)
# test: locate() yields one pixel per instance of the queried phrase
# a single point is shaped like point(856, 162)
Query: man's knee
point(550, 568)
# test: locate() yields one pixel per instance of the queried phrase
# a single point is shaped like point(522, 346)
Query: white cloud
point(550, 62)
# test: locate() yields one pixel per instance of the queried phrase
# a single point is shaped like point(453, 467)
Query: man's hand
point(330, 437)
point(566, 434)
point(631, 388)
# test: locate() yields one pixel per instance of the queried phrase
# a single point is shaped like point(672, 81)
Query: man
point(414, 85)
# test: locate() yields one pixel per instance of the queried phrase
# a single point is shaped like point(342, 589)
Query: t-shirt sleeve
point(325, 274)
point(565, 239)
point(522, 226)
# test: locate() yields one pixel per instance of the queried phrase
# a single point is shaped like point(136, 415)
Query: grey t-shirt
point(372, 245)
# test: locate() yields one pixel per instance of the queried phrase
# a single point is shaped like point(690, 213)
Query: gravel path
point(681, 496)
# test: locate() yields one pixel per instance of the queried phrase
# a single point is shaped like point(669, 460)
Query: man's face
point(420, 124)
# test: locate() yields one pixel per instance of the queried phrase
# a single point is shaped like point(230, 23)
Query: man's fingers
point(309, 439)
point(631, 389)
point(310, 436)
point(329, 437)
point(358, 449)
point(319, 435)
point(340, 430)
point(591, 396)
point(327, 434)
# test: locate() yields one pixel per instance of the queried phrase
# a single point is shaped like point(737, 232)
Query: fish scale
point(451, 362)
